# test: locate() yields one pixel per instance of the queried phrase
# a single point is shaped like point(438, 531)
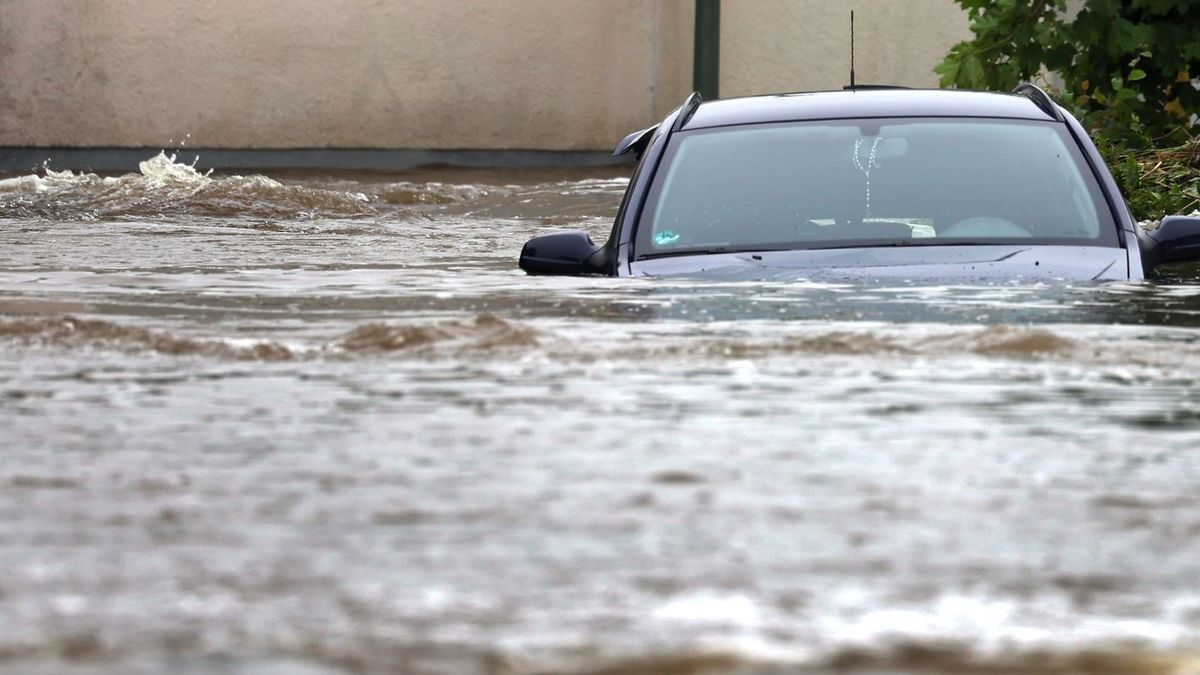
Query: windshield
point(877, 182)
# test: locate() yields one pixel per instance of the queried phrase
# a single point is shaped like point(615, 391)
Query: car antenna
point(852, 50)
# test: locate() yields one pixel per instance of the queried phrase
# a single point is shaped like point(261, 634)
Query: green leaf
point(1103, 8)
point(971, 72)
point(1122, 37)
point(1135, 75)
point(947, 71)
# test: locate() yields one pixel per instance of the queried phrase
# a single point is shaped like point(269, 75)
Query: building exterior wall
point(804, 45)
point(439, 74)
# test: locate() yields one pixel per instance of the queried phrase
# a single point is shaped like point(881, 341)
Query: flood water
point(314, 424)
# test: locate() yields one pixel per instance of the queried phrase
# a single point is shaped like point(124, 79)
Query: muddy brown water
point(312, 424)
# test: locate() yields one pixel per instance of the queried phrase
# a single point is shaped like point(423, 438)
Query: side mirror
point(1176, 239)
point(635, 142)
point(569, 253)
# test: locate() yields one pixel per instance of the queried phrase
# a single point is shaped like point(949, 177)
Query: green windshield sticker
point(666, 238)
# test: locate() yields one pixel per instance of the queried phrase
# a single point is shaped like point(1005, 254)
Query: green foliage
point(1125, 69)
point(1126, 65)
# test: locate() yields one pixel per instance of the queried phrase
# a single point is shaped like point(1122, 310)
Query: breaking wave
point(488, 335)
point(163, 186)
point(482, 334)
point(932, 659)
point(1000, 341)
point(75, 333)
point(435, 194)
point(318, 653)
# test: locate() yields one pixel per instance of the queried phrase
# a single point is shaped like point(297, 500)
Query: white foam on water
point(994, 626)
point(165, 168)
point(711, 608)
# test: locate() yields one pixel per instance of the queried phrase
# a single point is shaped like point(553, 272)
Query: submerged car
point(875, 182)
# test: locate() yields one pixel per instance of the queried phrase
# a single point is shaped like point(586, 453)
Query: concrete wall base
point(25, 160)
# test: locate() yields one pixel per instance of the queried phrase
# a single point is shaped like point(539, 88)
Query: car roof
point(863, 103)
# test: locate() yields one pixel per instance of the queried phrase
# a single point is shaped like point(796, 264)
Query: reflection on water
point(322, 424)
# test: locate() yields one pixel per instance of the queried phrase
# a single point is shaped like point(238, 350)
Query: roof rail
point(686, 110)
point(1040, 98)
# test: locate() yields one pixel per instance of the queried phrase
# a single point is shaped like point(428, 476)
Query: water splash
point(164, 187)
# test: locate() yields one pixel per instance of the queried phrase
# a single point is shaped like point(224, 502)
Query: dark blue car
point(873, 182)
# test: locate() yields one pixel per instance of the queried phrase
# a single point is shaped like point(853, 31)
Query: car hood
point(1032, 262)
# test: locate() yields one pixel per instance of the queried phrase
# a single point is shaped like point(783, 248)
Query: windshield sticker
point(666, 238)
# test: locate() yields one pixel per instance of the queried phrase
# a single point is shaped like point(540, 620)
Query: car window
point(873, 182)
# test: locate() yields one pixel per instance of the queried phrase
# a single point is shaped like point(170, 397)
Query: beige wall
point(544, 74)
point(804, 45)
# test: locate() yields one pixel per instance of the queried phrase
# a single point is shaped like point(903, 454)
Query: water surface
point(321, 423)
